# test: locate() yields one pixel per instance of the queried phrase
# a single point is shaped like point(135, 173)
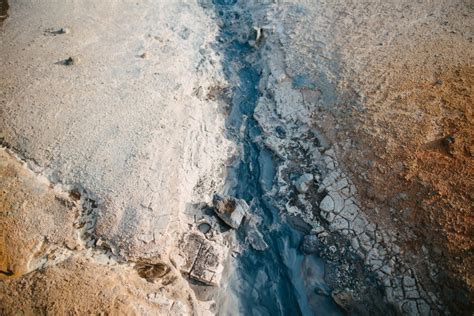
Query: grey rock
point(389, 294)
point(345, 192)
point(371, 227)
point(329, 180)
point(230, 210)
point(303, 182)
point(398, 292)
point(255, 238)
point(311, 244)
point(151, 271)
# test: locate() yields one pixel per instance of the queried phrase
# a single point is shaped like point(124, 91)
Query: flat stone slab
point(203, 258)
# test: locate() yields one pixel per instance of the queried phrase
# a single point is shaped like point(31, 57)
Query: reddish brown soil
point(413, 162)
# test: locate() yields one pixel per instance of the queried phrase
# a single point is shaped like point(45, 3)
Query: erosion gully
point(265, 282)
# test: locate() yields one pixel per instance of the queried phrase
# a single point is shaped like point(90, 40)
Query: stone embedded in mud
point(64, 30)
point(303, 182)
point(203, 258)
point(311, 244)
point(230, 210)
point(71, 61)
point(255, 238)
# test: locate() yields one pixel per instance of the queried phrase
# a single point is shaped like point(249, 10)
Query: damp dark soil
point(268, 282)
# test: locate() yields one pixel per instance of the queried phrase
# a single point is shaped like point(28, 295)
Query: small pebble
point(71, 61)
point(64, 30)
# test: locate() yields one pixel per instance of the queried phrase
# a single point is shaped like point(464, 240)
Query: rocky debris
point(334, 209)
point(230, 210)
point(204, 227)
point(253, 236)
point(311, 244)
point(60, 31)
point(203, 258)
point(71, 61)
point(303, 183)
point(64, 30)
point(341, 216)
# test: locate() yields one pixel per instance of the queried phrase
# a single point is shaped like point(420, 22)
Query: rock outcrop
point(230, 210)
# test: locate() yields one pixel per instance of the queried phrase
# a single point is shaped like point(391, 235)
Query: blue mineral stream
point(268, 282)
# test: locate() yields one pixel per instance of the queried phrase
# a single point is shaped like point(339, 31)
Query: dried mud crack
point(271, 237)
point(222, 157)
point(265, 278)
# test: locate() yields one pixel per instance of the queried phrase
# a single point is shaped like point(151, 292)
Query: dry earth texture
point(114, 140)
point(404, 123)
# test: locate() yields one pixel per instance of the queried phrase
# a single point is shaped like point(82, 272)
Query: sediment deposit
point(236, 157)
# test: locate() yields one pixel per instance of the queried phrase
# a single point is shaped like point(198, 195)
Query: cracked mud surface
point(340, 135)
